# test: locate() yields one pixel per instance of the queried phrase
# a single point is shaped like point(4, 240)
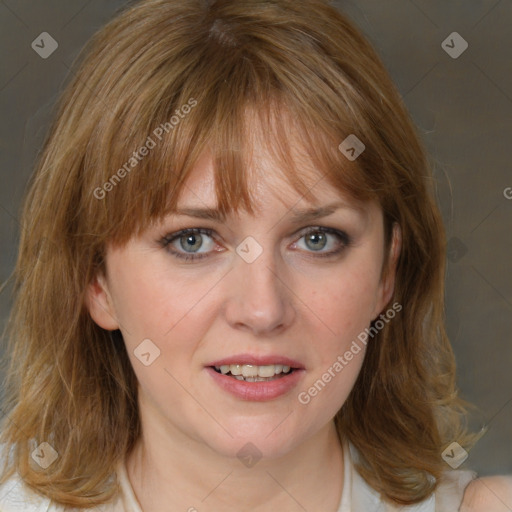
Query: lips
point(270, 389)
point(257, 391)
point(257, 361)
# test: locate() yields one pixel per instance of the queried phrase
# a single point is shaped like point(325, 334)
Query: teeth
point(236, 369)
point(249, 370)
point(266, 371)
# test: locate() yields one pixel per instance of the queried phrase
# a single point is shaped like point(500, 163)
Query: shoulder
point(488, 494)
point(16, 496)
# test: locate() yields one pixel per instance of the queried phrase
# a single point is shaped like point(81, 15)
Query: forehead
point(262, 161)
point(267, 184)
point(272, 161)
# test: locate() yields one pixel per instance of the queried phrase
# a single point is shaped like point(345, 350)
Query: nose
point(260, 298)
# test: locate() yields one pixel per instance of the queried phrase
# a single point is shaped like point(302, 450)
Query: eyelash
point(168, 239)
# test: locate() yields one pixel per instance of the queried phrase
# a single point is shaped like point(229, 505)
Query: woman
point(230, 279)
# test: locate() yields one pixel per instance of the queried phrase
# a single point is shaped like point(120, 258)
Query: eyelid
point(345, 240)
point(181, 232)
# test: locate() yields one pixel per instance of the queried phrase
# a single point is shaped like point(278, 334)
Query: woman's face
point(267, 286)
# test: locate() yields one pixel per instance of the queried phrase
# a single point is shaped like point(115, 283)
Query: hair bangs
point(227, 120)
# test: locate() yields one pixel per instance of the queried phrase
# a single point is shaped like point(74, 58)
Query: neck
point(169, 470)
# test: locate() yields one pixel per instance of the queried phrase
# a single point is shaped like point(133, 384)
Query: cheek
point(342, 311)
point(344, 299)
point(150, 303)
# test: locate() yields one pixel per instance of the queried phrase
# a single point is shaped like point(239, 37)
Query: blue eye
point(183, 244)
point(318, 238)
point(191, 238)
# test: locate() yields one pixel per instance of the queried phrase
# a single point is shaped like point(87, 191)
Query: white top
point(357, 495)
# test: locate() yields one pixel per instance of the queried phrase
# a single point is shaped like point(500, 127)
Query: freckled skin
point(288, 302)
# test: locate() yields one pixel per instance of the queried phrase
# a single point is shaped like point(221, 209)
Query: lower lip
point(257, 391)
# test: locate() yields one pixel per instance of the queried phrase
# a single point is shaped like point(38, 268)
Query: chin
point(253, 442)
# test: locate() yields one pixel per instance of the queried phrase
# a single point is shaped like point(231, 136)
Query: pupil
point(317, 236)
point(191, 238)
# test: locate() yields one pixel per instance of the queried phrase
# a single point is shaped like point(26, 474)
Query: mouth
point(254, 373)
point(256, 377)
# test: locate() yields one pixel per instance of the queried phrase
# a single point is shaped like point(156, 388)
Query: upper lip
point(257, 360)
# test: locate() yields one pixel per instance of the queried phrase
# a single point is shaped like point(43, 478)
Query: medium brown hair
point(70, 382)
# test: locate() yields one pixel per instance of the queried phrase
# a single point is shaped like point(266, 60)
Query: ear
point(100, 305)
point(387, 284)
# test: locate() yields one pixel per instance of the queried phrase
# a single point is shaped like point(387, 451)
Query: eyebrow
point(298, 216)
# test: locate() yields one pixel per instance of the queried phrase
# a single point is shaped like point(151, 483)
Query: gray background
point(462, 107)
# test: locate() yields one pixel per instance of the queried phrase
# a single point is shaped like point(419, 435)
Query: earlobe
point(99, 304)
point(388, 278)
point(396, 247)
